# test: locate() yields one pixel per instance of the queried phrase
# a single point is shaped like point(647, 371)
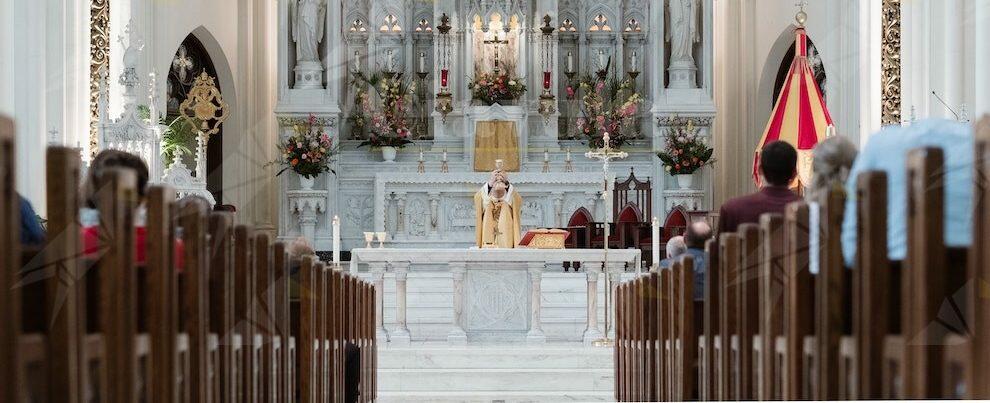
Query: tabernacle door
point(496, 140)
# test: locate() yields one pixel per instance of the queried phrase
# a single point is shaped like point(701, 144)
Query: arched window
point(391, 24)
point(190, 60)
point(567, 25)
point(358, 26)
point(600, 24)
point(424, 26)
point(814, 60)
point(633, 26)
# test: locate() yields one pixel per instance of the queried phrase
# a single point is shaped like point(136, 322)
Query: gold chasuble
point(497, 223)
point(495, 140)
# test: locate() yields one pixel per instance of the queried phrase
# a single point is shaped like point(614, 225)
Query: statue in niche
point(682, 30)
point(308, 17)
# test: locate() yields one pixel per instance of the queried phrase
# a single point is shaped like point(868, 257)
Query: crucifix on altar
point(496, 43)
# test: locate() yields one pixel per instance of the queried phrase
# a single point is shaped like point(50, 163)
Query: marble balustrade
point(495, 294)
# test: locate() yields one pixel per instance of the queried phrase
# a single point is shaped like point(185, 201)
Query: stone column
point(378, 273)
point(592, 332)
point(457, 334)
point(535, 334)
point(307, 205)
point(401, 332)
point(615, 276)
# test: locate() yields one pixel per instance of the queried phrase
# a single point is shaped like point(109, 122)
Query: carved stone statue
point(308, 21)
point(683, 31)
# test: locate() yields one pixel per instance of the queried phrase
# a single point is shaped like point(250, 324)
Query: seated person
point(92, 242)
point(31, 232)
point(778, 167)
point(834, 158)
point(887, 151)
point(698, 233)
point(675, 249)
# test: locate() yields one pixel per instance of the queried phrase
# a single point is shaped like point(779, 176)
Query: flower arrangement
point(308, 151)
point(493, 87)
point(389, 126)
point(686, 151)
point(608, 106)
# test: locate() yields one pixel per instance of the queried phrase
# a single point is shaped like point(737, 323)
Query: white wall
point(751, 38)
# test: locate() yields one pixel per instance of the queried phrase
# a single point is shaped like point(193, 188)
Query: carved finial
point(802, 16)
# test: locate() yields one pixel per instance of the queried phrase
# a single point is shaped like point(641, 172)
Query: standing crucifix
point(606, 154)
point(496, 42)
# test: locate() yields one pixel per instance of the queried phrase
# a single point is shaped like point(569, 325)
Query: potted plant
point(686, 152)
point(491, 88)
point(608, 106)
point(308, 152)
point(389, 130)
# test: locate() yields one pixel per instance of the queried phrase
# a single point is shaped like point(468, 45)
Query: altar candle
point(568, 154)
point(546, 80)
point(601, 59)
point(357, 61)
point(445, 155)
point(422, 62)
point(656, 242)
point(421, 154)
point(443, 77)
point(634, 60)
point(336, 240)
point(546, 155)
point(570, 62)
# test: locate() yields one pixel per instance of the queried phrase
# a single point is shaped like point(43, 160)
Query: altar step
point(555, 372)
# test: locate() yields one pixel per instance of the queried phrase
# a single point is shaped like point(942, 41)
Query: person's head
point(697, 234)
point(778, 163)
point(300, 247)
point(676, 247)
point(834, 158)
point(499, 190)
point(107, 160)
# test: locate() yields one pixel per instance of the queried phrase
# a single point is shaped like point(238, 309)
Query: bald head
point(697, 234)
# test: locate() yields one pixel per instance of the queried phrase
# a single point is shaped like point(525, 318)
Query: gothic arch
point(594, 22)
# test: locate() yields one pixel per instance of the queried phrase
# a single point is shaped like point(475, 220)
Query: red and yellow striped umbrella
point(800, 116)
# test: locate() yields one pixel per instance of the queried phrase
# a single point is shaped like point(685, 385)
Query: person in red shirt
point(93, 245)
point(778, 167)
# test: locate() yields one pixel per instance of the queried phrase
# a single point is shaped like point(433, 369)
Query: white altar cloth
point(495, 294)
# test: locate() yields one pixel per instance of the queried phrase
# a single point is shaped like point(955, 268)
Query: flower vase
point(388, 154)
point(306, 183)
point(685, 181)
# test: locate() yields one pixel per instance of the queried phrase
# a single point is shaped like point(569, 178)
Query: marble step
point(495, 397)
point(499, 379)
point(576, 357)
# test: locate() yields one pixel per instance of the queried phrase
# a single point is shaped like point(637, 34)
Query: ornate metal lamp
point(205, 103)
point(548, 103)
point(444, 99)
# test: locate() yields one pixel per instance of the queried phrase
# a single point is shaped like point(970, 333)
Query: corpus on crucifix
point(496, 44)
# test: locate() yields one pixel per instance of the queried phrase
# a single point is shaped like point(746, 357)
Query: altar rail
point(496, 264)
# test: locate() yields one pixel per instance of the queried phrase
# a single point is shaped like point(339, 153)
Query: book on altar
point(544, 239)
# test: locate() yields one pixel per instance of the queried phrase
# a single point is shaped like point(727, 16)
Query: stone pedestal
point(309, 76)
point(683, 75)
point(307, 205)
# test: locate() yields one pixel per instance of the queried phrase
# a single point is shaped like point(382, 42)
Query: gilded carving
point(890, 63)
point(99, 54)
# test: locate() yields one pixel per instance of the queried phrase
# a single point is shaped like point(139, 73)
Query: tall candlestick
point(656, 242)
point(570, 62)
point(422, 62)
point(633, 64)
point(336, 241)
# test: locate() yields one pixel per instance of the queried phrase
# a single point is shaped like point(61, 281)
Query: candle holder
point(381, 239)
point(546, 166)
point(369, 237)
point(632, 77)
point(421, 168)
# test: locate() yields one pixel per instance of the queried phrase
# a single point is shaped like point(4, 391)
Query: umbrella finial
point(801, 17)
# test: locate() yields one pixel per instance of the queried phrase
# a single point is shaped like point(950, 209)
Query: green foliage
point(179, 138)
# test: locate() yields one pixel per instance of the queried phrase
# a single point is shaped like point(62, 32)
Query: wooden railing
point(770, 329)
point(223, 326)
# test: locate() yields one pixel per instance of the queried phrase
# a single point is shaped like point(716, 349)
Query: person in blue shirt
point(887, 151)
point(698, 233)
point(31, 232)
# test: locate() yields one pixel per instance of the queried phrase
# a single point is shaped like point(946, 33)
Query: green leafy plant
point(389, 125)
point(608, 106)
point(179, 138)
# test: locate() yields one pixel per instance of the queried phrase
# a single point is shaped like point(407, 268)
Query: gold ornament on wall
point(205, 103)
point(99, 56)
point(890, 63)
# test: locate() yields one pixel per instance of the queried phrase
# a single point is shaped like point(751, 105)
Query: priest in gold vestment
point(498, 210)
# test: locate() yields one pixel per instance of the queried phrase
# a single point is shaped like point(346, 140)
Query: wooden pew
point(747, 311)
point(798, 300)
point(771, 303)
point(979, 266)
point(830, 290)
point(710, 340)
point(871, 286)
point(727, 360)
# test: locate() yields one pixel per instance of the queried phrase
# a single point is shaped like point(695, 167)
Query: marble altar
point(494, 294)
